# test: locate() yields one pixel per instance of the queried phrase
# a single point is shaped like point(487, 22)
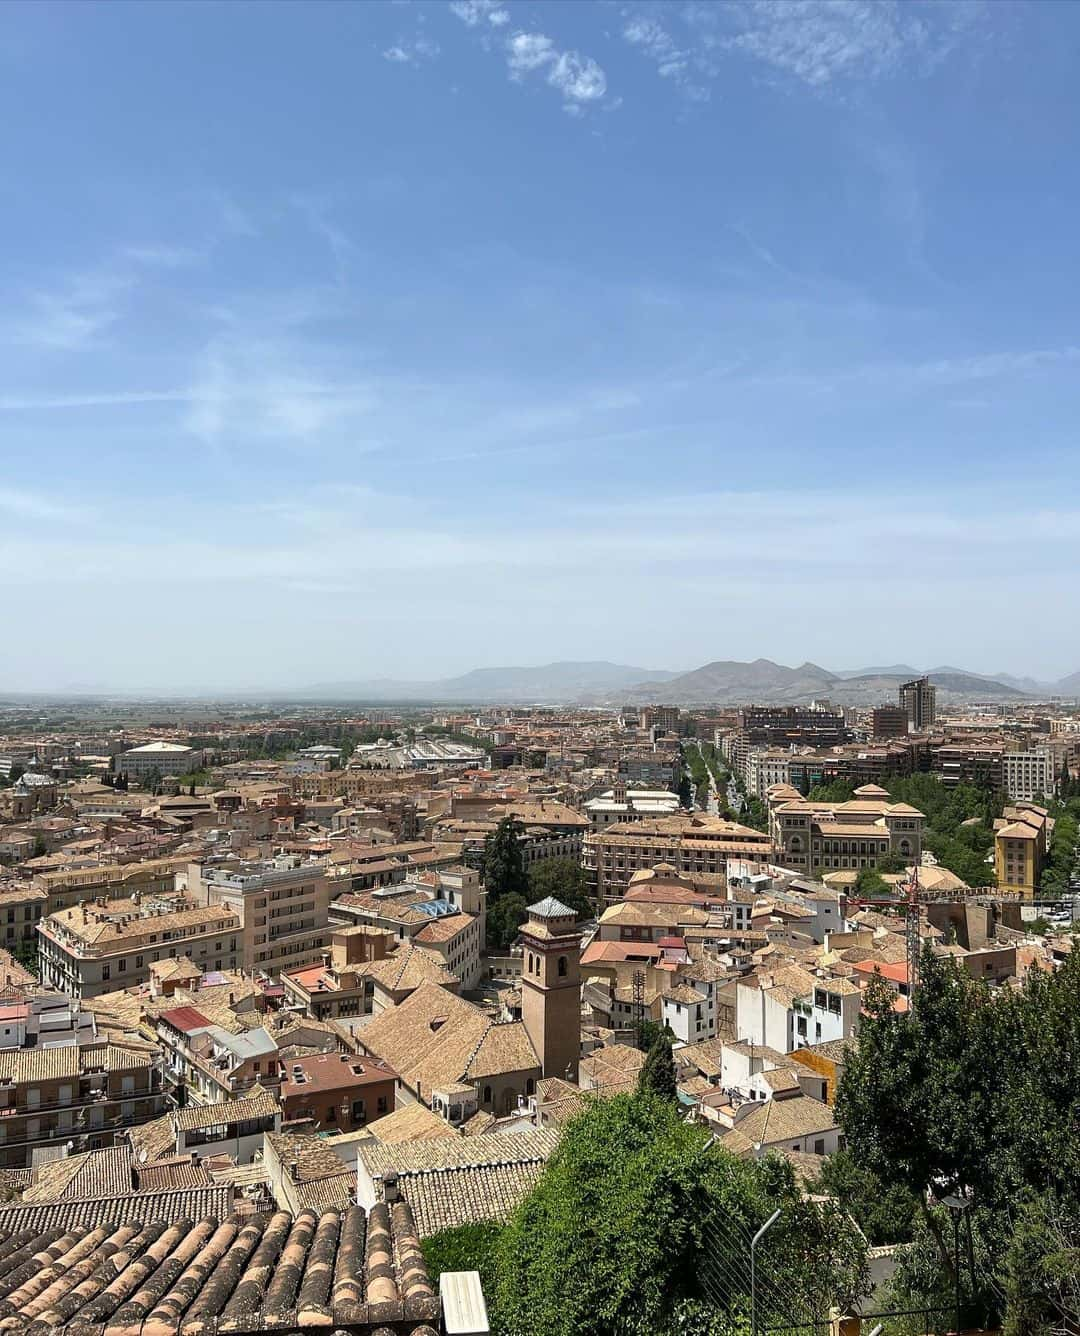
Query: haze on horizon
point(383, 340)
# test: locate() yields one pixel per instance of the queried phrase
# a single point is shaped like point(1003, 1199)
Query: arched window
point(487, 1094)
point(796, 844)
point(905, 846)
point(562, 966)
point(530, 1086)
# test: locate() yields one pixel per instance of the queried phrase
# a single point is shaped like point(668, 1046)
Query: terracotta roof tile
point(118, 1271)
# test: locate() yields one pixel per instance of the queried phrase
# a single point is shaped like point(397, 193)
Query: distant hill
point(547, 683)
point(1067, 686)
point(728, 682)
point(902, 670)
point(731, 681)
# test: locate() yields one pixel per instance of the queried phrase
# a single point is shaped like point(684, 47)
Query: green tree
point(504, 862)
point(565, 880)
point(685, 790)
point(639, 1226)
point(1042, 1270)
point(472, 1247)
point(885, 1213)
point(870, 882)
point(657, 1075)
point(504, 920)
point(970, 1093)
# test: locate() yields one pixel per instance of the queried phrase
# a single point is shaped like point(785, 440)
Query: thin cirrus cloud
point(474, 13)
point(817, 42)
point(414, 52)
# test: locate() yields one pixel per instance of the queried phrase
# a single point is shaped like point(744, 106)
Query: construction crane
point(914, 941)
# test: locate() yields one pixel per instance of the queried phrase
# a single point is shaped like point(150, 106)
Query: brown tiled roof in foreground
point(352, 1270)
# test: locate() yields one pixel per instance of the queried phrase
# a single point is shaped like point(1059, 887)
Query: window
point(123, 966)
point(562, 966)
point(106, 972)
point(487, 1094)
point(819, 1146)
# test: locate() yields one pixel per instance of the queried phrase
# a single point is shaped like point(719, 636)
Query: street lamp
point(956, 1206)
point(753, 1267)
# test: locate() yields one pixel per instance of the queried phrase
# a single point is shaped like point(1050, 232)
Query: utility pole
point(753, 1268)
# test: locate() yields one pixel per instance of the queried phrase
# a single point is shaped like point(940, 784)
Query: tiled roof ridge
point(476, 1049)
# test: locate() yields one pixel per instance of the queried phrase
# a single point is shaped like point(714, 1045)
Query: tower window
point(487, 1094)
point(562, 966)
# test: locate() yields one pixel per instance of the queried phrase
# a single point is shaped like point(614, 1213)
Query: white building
point(167, 758)
point(314, 760)
point(793, 1009)
point(1029, 773)
point(689, 1012)
point(766, 768)
point(623, 803)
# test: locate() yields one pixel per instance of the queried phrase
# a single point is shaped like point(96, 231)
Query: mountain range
point(721, 682)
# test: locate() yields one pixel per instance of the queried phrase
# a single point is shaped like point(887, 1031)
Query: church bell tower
point(551, 986)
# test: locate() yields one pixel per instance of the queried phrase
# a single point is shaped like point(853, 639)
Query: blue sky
point(395, 339)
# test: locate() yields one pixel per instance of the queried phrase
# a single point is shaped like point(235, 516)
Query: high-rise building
point(919, 698)
point(551, 987)
point(889, 721)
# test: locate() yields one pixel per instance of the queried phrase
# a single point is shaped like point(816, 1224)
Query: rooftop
point(358, 1270)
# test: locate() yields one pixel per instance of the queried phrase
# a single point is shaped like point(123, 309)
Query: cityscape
point(291, 968)
point(540, 676)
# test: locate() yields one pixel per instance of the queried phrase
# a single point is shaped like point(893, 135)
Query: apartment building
point(208, 1063)
point(164, 758)
point(783, 725)
point(623, 803)
point(337, 1092)
point(1021, 840)
point(660, 768)
point(83, 1093)
point(687, 842)
point(1029, 774)
point(766, 768)
point(341, 985)
point(815, 836)
point(69, 886)
point(21, 908)
point(889, 721)
point(919, 698)
point(282, 904)
point(663, 717)
point(97, 948)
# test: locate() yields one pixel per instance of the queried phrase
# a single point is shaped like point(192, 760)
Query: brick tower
point(551, 986)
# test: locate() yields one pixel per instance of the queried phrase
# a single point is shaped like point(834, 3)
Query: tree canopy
point(506, 881)
point(657, 1074)
point(639, 1225)
point(564, 878)
point(971, 1094)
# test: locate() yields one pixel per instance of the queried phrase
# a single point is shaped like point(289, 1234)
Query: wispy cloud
point(119, 399)
point(578, 78)
point(474, 13)
point(75, 313)
point(33, 506)
point(818, 42)
point(674, 61)
point(316, 212)
point(412, 52)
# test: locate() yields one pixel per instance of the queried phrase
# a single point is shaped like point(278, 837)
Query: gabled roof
point(434, 1037)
